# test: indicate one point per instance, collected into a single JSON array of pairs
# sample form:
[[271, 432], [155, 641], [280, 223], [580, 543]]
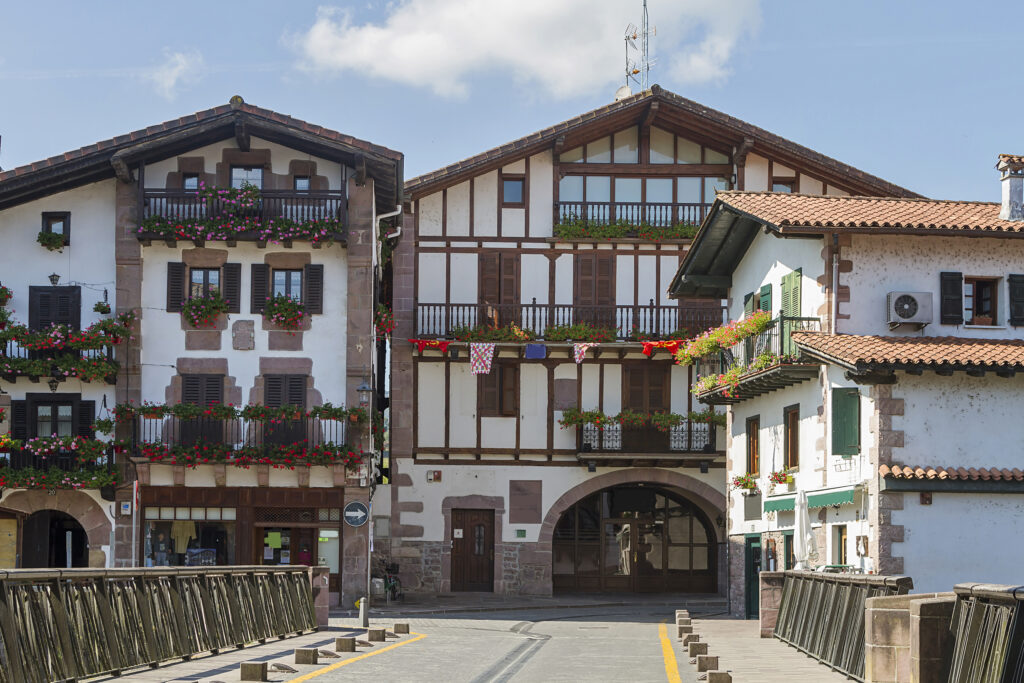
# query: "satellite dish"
[[623, 92]]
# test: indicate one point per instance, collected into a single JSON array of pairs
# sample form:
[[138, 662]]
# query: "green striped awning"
[[829, 498], [779, 503]]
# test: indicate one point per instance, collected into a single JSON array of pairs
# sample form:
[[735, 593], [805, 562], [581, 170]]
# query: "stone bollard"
[[401, 628], [344, 644], [253, 671], [682, 613], [684, 621], [697, 649], [690, 638], [719, 677], [375, 635], [707, 662], [306, 655], [683, 630]]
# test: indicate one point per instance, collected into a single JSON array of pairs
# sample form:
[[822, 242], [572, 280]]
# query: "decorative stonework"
[[203, 366], [884, 502], [243, 335]]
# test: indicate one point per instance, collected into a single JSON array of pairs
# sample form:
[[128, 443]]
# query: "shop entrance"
[[54, 539], [287, 545], [634, 538]]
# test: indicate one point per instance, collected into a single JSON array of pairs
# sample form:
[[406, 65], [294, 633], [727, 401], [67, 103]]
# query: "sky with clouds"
[[916, 92]]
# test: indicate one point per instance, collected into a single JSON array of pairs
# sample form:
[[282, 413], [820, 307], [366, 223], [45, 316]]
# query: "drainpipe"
[[835, 282], [376, 224]]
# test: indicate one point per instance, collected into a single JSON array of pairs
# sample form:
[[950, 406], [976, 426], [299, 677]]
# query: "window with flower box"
[[58, 223]]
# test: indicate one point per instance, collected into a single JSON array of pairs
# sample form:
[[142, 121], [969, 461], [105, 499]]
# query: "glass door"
[[618, 542]]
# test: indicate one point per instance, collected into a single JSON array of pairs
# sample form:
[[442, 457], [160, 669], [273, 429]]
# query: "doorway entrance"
[[53, 539], [473, 550], [286, 545], [752, 560], [635, 538]]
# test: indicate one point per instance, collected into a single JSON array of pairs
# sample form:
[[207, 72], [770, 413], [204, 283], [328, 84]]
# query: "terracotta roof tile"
[[1010, 159], [803, 213], [949, 473], [854, 350]]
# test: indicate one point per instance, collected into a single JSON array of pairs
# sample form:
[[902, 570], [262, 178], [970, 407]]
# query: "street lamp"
[[53, 384], [365, 391]]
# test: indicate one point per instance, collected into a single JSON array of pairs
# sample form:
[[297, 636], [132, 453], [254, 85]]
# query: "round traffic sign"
[[356, 513]]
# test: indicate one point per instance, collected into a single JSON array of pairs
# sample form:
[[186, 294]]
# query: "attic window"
[[513, 191], [190, 181], [58, 223], [301, 183]]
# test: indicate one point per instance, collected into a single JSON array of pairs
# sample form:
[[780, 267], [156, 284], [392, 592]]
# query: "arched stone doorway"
[[78, 505], [53, 539], [637, 530]]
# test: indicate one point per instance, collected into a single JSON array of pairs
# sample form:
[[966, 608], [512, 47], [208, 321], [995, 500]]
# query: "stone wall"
[[737, 577], [889, 634]]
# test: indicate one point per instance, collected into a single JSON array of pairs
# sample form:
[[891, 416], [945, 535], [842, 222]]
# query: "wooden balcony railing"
[[686, 437], [630, 322], [603, 213], [273, 204], [171, 431]]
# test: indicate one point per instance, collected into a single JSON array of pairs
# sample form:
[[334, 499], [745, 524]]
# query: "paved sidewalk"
[[753, 659], [454, 603]]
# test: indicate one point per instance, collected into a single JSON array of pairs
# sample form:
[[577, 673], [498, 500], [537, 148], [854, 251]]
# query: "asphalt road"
[[604, 644]]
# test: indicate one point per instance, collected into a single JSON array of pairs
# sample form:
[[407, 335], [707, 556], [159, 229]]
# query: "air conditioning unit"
[[909, 308]]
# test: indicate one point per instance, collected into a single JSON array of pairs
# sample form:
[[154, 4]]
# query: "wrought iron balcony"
[[66, 461], [652, 213], [14, 349], [686, 437], [769, 361], [170, 431], [629, 322]]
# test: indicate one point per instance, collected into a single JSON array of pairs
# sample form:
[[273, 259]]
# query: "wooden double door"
[[472, 558]]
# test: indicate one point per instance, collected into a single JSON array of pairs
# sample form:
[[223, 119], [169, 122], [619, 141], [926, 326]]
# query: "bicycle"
[[392, 584]]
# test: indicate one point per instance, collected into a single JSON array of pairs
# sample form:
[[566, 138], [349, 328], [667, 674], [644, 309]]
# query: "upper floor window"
[[667, 148], [845, 421], [190, 181], [301, 183], [513, 191], [54, 306], [657, 201], [753, 445], [791, 435], [981, 300], [46, 414], [783, 184], [288, 283], [58, 223], [621, 148], [246, 175], [55, 418], [203, 282], [645, 387]]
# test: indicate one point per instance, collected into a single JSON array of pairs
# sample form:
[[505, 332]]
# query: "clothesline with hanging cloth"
[[430, 344], [672, 346], [579, 351], [480, 357]]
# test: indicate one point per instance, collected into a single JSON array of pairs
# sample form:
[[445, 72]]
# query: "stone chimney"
[[1011, 169]]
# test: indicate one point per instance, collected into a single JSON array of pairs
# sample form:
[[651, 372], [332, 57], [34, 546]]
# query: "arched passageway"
[[54, 539]]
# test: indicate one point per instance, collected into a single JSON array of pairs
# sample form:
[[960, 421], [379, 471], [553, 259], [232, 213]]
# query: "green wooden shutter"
[[790, 307], [1016, 286], [748, 304], [765, 298], [845, 421]]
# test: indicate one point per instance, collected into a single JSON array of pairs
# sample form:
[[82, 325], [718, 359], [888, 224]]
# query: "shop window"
[[188, 536]]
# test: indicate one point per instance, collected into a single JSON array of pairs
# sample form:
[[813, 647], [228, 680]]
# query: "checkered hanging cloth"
[[579, 351], [480, 356]]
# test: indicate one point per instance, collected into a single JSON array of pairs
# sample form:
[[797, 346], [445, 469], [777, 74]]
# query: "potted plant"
[[781, 478], [284, 311], [53, 241], [202, 311], [5, 295], [101, 307], [746, 483]]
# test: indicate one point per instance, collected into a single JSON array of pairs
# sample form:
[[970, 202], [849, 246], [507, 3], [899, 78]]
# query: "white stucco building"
[[583, 223], [885, 385]]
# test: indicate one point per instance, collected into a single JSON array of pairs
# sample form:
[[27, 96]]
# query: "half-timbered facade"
[[544, 464], [243, 244]]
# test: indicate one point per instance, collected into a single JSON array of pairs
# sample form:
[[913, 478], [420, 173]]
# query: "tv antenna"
[[639, 71]]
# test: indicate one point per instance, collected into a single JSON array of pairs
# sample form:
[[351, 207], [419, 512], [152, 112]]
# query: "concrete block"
[[719, 677], [707, 662], [375, 635], [695, 649], [690, 638], [683, 630], [253, 671], [684, 621], [682, 613], [344, 644], [401, 628], [306, 655]]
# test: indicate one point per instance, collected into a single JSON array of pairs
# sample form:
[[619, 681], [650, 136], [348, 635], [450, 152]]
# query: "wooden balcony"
[[630, 322], [616, 445], [603, 213]]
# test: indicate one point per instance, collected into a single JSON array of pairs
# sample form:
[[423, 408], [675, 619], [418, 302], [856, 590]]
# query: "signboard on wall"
[[356, 513]]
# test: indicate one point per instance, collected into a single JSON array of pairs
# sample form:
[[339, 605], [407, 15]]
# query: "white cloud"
[[566, 47], [177, 69]]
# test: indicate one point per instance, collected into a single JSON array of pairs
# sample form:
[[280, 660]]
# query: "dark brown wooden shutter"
[[604, 280], [41, 308], [313, 288], [175, 287], [586, 274], [509, 389], [951, 295], [273, 391], [232, 281], [19, 420], [657, 389], [54, 305], [633, 385], [488, 392], [214, 389], [86, 416], [490, 279], [192, 389], [509, 284], [295, 390], [260, 287], [1016, 286]]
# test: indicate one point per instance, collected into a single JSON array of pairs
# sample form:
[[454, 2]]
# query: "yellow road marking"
[[338, 665], [671, 667]]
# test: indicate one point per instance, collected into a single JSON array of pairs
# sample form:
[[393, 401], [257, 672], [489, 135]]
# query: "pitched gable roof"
[[97, 161], [666, 108]]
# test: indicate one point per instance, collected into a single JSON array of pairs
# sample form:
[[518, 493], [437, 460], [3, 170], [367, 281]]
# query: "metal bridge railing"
[[58, 625], [988, 631], [823, 615]]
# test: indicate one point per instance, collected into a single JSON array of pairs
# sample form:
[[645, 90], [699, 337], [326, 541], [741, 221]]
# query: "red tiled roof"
[[816, 213], [174, 124], [951, 473], [1010, 159], [764, 142], [853, 350]]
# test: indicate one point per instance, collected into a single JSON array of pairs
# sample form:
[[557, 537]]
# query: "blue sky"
[[923, 94]]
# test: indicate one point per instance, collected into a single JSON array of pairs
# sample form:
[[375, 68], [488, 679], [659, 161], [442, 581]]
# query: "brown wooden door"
[[594, 294], [473, 550], [499, 289]]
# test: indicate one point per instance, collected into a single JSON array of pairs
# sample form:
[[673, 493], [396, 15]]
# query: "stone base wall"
[[520, 568], [737, 577]]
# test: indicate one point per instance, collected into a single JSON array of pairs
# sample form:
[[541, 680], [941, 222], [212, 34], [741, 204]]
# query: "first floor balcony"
[[168, 435], [635, 213], [614, 443], [635, 323]]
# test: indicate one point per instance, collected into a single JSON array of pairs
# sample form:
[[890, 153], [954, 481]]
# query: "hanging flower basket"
[[5, 295]]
